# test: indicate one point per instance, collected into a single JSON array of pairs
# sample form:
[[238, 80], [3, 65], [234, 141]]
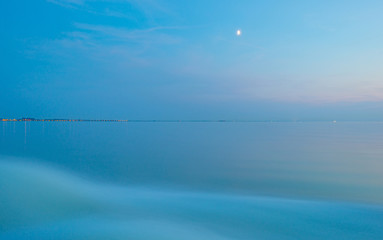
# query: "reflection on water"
[[41, 203], [191, 181]]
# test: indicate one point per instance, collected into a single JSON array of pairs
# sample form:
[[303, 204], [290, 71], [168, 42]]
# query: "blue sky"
[[148, 59]]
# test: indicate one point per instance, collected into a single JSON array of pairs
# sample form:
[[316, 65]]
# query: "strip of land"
[[113, 120], [144, 120]]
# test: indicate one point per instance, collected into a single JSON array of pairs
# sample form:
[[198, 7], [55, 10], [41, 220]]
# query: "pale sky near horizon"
[[171, 59]]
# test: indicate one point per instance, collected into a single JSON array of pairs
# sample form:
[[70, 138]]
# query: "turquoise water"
[[191, 181]]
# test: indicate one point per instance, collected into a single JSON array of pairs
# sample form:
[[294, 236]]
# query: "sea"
[[191, 180]]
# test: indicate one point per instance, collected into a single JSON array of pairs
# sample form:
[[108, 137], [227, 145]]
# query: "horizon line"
[[165, 120]]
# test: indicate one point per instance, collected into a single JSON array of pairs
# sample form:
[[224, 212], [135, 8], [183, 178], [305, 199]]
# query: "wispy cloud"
[[111, 44], [139, 40], [117, 8], [132, 38], [68, 3], [123, 33]]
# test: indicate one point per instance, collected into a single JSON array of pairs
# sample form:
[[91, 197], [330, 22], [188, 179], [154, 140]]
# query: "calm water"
[[191, 180]]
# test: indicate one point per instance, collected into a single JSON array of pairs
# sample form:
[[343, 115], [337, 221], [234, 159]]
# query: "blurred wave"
[[38, 202]]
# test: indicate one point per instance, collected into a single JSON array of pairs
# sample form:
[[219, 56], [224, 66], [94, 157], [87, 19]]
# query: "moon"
[[239, 32]]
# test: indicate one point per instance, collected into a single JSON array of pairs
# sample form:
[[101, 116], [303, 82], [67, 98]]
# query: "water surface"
[[191, 180]]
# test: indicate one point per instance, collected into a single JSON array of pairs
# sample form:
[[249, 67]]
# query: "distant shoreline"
[[149, 121]]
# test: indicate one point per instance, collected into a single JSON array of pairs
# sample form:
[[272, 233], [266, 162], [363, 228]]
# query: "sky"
[[171, 59]]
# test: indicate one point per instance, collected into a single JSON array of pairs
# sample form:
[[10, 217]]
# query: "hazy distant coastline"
[[144, 120]]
